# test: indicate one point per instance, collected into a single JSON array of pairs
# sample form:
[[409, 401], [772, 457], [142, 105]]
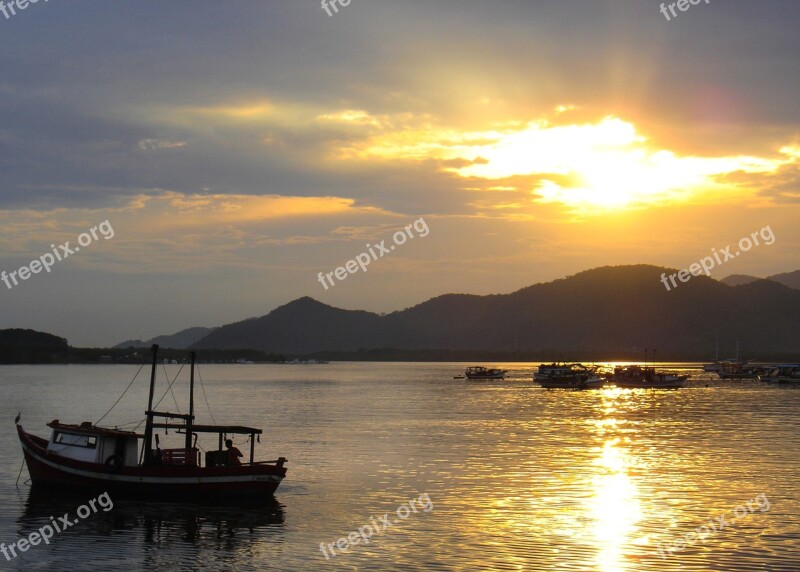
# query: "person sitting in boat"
[[233, 453]]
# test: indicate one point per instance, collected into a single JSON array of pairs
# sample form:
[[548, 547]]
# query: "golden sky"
[[238, 151]]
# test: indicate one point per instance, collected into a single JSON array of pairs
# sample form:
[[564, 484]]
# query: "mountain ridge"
[[789, 279], [606, 310], [179, 340]]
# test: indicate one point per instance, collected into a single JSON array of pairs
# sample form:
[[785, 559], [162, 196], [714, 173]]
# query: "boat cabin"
[[91, 444]]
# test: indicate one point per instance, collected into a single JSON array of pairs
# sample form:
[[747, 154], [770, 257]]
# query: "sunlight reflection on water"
[[520, 478]]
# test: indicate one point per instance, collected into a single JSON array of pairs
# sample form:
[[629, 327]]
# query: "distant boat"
[[88, 456], [568, 376], [636, 376], [480, 372], [734, 369], [782, 373]]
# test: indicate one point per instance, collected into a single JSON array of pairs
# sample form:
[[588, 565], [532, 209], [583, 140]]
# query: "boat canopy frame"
[[188, 426]]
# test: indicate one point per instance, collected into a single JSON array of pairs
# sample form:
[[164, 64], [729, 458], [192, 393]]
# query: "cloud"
[[174, 231]]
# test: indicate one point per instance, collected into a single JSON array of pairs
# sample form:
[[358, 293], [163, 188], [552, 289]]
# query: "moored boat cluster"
[[564, 375]]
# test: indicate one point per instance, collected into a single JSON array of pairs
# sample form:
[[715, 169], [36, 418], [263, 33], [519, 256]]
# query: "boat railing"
[[188, 457]]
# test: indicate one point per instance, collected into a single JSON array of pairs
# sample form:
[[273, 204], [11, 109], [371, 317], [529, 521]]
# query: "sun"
[[594, 167], [607, 179]]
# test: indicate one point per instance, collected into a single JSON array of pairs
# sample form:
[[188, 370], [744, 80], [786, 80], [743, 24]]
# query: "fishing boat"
[[79, 456], [636, 376], [732, 368], [480, 372], [782, 373], [568, 376]]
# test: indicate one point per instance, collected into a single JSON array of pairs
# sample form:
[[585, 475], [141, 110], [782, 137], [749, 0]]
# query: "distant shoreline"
[[137, 356]]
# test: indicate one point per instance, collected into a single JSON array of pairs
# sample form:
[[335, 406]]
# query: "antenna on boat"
[[190, 418], [148, 427], [645, 357]]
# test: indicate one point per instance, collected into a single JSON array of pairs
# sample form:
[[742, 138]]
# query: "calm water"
[[519, 478]]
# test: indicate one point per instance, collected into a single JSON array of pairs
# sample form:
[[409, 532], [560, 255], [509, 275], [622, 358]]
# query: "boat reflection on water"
[[209, 533]]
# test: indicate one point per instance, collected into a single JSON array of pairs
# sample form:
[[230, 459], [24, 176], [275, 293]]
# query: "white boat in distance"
[[568, 376], [546, 370], [480, 372]]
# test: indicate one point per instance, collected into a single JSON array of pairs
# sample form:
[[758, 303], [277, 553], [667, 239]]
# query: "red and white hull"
[[153, 481]]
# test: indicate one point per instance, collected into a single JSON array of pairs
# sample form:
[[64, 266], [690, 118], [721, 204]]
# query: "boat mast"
[[148, 427], [190, 419]]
